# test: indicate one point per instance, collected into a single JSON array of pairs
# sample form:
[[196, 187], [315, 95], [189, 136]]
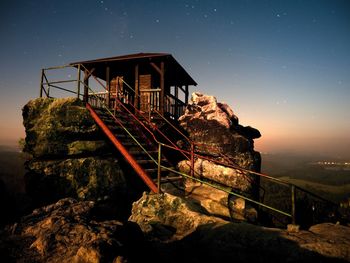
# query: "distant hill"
[[12, 168], [297, 169]]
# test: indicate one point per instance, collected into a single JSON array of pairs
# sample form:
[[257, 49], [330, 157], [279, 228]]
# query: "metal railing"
[[100, 99]]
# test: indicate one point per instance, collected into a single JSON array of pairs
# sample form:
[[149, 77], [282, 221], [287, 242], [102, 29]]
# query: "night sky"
[[283, 66]]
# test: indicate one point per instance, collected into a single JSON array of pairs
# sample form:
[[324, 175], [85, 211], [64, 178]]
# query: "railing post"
[[78, 84], [149, 113], [136, 90], [86, 86], [192, 159], [41, 83], [293, 204], [159, 166], [108, 86]]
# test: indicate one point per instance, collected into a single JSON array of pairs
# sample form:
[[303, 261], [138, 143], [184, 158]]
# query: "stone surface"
[[227, 176], [55, 127], [85, 178], [215, 129], [69, 155], [175, 229], [69, 231], [214, 201], [217, 134], [168, 217], [190, 235]]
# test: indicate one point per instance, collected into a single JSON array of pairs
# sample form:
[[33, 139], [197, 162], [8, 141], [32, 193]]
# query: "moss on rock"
[[82, 178], [52, 125], [70, 157]]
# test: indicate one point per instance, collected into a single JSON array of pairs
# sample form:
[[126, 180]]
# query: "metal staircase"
[[141, 152]]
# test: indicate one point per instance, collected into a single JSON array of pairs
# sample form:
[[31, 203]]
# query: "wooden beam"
[[136, 100], [89, 72], [162, 73], [41, 82], [186, 94], [184, 90], [159, 70], [78, 82], [176, 105], [108, 86], [86, 85]]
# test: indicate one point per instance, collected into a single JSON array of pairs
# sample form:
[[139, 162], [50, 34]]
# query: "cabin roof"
[[175, 72]]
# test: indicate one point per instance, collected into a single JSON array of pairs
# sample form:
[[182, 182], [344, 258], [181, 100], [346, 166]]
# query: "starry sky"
[[283, 66]]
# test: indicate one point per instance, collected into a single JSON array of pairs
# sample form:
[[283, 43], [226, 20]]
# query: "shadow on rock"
[[242, 243]]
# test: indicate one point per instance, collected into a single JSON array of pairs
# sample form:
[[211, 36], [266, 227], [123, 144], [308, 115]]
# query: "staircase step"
[[168, 179], [152, 170], [126, 136], [133, 143], [118, 129], [145, 161], [141, 153], [110, 120]]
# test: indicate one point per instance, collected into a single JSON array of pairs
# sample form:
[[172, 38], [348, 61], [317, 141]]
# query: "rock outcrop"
[[69, 231], [195, 236], [168, 217], [69, 156], [215, 130]]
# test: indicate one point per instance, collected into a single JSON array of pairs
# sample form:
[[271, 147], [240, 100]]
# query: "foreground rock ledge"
[[69, 231], [206, 238], [175, 230]]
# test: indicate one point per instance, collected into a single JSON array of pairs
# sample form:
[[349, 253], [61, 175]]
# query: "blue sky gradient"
[[283, 66]]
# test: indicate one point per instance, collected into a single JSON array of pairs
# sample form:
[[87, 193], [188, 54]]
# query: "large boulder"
[[69, 154], [214, 128], [217, 134], [168, 217], [69, 231], [56, 127]]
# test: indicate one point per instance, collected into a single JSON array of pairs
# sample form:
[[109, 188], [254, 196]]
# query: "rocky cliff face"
[[216, 131], [68, 154]]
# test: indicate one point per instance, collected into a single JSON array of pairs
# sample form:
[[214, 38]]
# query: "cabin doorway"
[[145, 92]]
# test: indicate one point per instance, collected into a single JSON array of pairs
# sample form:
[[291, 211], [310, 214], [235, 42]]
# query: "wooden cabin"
[[148, 81]]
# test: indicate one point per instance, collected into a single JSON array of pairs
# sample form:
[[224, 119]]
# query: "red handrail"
[[130, 159]]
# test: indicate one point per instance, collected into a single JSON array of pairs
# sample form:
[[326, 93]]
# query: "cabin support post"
[[186, 94], [108, 87], [86, 85], [136, 99], [293, 204], [161, 102], [176, 112], [41, 83], [78, 82]]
